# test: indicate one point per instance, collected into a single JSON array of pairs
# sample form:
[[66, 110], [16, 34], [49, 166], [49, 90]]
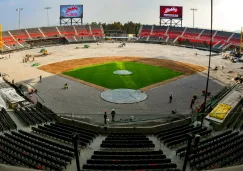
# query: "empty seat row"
[[159, 152], [6, 122], [129, 167]]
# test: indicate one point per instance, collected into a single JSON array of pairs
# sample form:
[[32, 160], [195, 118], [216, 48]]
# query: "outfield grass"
[[143, 75]]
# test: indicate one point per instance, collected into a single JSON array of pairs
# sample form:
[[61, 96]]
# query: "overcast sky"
[[227, 13]]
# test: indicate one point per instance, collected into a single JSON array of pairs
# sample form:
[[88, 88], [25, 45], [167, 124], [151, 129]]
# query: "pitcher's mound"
[[123, 96], [122, 72]]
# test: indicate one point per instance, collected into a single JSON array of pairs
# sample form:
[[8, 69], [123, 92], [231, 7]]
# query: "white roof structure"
[[10, 95]]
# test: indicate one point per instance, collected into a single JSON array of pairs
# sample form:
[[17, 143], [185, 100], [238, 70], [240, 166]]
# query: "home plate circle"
[[123, 96], [122, 72]]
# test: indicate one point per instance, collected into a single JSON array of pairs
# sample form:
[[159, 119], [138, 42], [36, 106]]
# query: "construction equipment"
[[86, 46], [45, 52]]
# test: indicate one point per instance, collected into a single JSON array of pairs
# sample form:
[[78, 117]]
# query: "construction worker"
[[170, 97], [105, 117], [65, 86], [113, 113], [195, 97], [192, 103]]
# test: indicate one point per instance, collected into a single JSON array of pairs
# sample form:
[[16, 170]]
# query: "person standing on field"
[[113, 113], [171, 97]]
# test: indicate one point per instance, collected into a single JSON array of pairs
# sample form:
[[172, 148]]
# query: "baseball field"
[[142, 75], [146, 72]]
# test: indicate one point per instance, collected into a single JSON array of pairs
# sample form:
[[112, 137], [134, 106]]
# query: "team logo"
[[169, 10], [71, 11]]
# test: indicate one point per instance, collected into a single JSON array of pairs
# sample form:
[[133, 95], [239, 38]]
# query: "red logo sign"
[[170, 12], [71, 11]]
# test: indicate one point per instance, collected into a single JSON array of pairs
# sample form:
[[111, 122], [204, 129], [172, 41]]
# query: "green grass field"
[[102, 75]]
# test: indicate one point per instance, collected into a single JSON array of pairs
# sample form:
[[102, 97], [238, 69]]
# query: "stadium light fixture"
[[19, 10], [193, 10], [47, 10], [209, 66]]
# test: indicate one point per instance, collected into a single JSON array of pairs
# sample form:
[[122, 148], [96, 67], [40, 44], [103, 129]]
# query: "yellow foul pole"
[[1, 38]]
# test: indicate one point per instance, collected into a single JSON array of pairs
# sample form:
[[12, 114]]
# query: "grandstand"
[[38, 128]]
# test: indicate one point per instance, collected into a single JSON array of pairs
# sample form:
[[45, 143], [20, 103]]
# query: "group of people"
[[65, 87], [26, 59], [113, 113], [6, 57], [192, 101]]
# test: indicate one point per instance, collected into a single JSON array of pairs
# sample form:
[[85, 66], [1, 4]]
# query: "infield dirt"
[[60, 67]]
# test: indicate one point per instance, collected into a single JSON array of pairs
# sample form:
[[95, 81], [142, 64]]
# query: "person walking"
[[195, 97], [113, 113], [40, 78], [170, 97], [105, 117], [192, 103]]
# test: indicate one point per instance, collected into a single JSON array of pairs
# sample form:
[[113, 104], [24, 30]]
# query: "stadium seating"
[[66, 30], [50, 31], [174, 32], [222, 36], [145, 31], [33, 115], [128, 160], [96, 30], [218, 151], [159, 31], [206, 34], [177, 136], [26, 149], [8, 40], [65, 133], [19, 34], [34, 33], [192, 32], [127, 140], [235, 40], [83, 30], [6, 123]]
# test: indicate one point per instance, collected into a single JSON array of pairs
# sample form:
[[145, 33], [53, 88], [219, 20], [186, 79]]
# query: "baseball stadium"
[[138, 97]]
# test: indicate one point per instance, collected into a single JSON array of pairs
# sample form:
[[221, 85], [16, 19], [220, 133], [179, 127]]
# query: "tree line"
[[129, 27]]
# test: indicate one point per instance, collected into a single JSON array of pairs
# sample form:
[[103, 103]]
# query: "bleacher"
[[96, 30], [64, 133], [50, 31], [6, 123], [33, 115], [218, 151], [8, 39], [28, 150], [83, 30], [128, 159], [174, 32], [146, 29], [19, 34], [66, 30], [206, 34], [192, 32], [235, 40], [34, 33], [177, 135], [159, 31], [222, 36]]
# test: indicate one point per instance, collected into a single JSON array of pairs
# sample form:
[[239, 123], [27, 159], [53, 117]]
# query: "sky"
[[227, 13]]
